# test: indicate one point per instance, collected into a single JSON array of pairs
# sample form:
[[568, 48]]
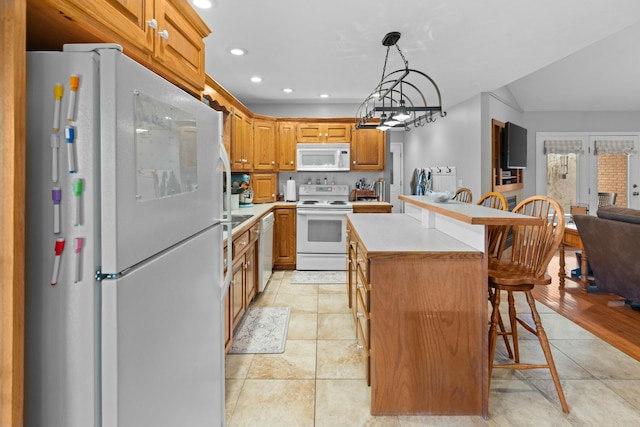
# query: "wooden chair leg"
[[493, 331], [502, 330], [514, 327], [546, 349]]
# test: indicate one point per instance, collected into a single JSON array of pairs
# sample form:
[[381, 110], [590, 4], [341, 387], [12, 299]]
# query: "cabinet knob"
[[354, 162], [164, 34], [359, 347], [152, 23], [359, 315], [291, 162], [273, 162], [360, 287]]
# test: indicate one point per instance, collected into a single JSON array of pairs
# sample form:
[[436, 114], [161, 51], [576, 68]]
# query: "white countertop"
[[470, 213], [256, 211], [386, 233]]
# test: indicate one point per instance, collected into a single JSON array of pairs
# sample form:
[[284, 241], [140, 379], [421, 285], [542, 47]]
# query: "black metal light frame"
[[398, 91]]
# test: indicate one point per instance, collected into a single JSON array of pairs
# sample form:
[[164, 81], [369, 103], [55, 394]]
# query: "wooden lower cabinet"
[[421, 326], [236, 290], [284, 238], [244, 280], [372, 207]]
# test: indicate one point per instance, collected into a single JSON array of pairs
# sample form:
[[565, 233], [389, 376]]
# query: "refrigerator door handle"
[[226, 220]]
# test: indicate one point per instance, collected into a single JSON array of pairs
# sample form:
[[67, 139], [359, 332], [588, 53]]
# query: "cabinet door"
[[237, 131], [284, 242], [264, 145], [337, 132], [247, 144], [126, 18], [368, 150], [286, 146], [236, 291], [264, 187], [309, 132], [250, 274], [178, 41]]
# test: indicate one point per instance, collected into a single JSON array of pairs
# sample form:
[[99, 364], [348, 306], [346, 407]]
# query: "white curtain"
[[563, 146], [614, 147]]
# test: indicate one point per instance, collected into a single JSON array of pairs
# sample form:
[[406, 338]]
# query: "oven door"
[[321, 231]]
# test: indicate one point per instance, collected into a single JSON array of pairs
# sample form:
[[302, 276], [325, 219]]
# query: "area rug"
[[316, 277], [261, 330]]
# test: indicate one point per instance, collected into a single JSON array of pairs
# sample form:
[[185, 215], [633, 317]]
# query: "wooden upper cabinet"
[[264, 145], [264, 187], [323, 132], [286, 146], [241, 142], [368, 150], [178, 40], [165, 36]]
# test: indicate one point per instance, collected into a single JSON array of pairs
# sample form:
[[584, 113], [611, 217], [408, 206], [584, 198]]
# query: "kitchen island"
[[417, 288]]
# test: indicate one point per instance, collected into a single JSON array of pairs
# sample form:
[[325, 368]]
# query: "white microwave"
[[323, 157]]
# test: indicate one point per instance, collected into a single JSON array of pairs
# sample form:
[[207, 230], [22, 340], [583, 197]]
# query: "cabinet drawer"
[[366, 356], [363, 291], [254, 232], [240, 244], [362, 317], [363, 269]]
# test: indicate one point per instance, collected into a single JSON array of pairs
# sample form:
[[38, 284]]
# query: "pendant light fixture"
[[399, 99]]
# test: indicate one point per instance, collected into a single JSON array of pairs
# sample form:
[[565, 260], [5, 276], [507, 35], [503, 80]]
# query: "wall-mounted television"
[[514, 147]]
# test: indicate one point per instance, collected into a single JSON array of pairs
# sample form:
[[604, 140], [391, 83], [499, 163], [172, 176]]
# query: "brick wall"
[[612, 176]]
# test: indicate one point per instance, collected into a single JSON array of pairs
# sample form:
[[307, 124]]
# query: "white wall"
[[305, 110], [453, 140]]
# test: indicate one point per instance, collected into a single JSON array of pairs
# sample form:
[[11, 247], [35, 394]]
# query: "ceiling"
[[558, 55]]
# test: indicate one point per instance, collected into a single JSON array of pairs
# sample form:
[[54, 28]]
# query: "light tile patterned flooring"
[[319, 379]]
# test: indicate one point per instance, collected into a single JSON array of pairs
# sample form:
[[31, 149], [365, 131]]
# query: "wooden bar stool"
[[495, 246], [532, 249], [463, 194]]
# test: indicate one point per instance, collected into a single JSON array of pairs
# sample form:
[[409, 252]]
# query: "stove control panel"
[[324, 190]]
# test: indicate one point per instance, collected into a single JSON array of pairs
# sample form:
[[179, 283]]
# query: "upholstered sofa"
[[612, 244]]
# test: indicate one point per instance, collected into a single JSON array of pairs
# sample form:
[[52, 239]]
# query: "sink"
[[239, 219]]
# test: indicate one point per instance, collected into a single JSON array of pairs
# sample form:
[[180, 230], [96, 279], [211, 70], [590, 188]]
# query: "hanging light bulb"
[[402, 114], [383, 123]]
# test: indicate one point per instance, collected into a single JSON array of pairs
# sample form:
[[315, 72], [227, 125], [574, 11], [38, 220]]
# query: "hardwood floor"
[[597, 312]]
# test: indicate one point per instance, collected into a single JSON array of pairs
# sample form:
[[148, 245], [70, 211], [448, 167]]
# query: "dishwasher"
[[265, 250]]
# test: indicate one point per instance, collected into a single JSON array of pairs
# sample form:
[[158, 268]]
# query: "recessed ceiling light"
[[202, 4], [256, 79], [324, 95], [287, 90], [237, 51]]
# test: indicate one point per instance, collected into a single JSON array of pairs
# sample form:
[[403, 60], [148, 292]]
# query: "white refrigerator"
[[124, 270]]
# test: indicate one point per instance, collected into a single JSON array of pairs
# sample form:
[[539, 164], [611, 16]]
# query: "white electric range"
[[321, 227]]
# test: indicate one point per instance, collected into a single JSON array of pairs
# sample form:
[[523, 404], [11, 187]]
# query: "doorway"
[[581, 168]]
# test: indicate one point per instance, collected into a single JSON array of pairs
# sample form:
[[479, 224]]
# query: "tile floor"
[[319, 379]]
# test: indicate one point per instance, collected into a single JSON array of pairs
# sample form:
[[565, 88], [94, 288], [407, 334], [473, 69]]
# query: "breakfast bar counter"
[[417, 287]]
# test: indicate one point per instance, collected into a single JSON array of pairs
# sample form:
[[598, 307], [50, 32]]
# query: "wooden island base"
[[420, 310]]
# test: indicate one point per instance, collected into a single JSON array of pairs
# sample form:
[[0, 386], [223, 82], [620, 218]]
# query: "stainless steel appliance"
[[321, 227], [124, 325], [323, 157], [265, 250]]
